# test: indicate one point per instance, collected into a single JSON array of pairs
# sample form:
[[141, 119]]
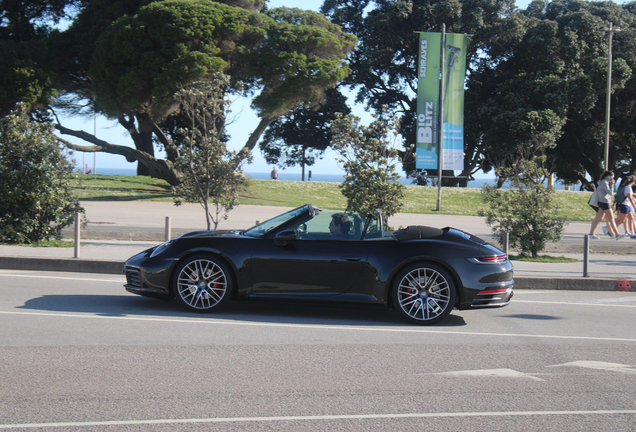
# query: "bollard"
[[78, 221], [505, 242], [168, 228], [586, 255]]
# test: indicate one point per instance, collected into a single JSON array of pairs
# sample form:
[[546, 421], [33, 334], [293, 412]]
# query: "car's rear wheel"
[[423, 293], [202, 283]]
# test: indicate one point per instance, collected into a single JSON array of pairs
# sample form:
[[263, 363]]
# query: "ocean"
[[334, 178]]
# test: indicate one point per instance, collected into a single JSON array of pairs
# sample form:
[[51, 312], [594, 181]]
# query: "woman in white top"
[[605, 207], [626, 208]]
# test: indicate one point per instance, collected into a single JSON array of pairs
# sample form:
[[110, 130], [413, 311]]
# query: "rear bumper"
[[496, 295], [490, 298]]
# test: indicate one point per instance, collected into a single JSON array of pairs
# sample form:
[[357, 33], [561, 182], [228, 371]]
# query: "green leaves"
[[36, 201], [303, 56], [369, 157], [207, 167], [142, 60], [529, 213], [302, 135]]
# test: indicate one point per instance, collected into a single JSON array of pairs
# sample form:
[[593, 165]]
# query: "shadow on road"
[[248, 311], [533, 317]]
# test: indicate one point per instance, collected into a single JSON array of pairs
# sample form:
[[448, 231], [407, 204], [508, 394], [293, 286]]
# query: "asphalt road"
[[78, 353]]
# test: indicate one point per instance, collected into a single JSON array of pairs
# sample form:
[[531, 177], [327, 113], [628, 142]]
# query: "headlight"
[[162, 247]]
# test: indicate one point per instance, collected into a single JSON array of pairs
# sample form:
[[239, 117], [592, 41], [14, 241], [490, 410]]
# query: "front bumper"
[[147, 276]]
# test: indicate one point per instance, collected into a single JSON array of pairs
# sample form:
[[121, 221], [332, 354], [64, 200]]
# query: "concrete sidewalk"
[[117, 230]]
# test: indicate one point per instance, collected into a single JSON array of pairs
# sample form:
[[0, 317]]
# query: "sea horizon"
[[479, 182]]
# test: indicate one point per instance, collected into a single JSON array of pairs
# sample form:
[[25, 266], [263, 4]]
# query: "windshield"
[[261, 229]]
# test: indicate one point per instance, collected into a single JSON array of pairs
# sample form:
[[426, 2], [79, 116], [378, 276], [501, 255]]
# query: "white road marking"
[[605, 305], [502, 373], [610, 367], [346, 328], [319, 418], [120, 279], [619, 300]]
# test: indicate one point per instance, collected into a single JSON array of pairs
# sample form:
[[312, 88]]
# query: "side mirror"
[[284, 237]]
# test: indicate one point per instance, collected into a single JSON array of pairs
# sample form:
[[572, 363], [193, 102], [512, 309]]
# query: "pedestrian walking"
[[604, 207], [274, 174], [626, 204]]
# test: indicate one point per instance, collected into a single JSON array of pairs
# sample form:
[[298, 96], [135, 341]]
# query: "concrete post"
[[586, 255], [168, 228], [78, 222], [505, 242]]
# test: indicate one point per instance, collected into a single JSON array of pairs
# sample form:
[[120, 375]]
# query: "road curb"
[[78, 265], [561, 284], [75, 265]]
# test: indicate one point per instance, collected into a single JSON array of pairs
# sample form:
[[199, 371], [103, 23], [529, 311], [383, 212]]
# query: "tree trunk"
[[253, 139], [141, 136], [303, 163]]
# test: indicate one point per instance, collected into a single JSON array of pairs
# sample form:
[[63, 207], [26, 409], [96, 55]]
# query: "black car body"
[[422, 272]]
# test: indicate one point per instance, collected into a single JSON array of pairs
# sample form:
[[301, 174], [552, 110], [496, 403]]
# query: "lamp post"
[[440, 157], [611, 31]]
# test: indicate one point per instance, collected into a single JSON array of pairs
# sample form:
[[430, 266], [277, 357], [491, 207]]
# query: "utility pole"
[[440, 155], [611, 31], [95, 135]]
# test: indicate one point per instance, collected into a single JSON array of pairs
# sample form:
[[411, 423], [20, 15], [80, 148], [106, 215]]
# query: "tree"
[[541, 69], [554, 80], [207, 166], [580, 151], [27, 63], [302, 135], [36, 199], [384, 65], [368, 155], [528, 213], [128, 59]]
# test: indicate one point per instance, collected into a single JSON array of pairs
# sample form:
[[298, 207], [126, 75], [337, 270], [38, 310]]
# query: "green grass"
[[455, 201], [120, 188], [542, 259], [52, 243]]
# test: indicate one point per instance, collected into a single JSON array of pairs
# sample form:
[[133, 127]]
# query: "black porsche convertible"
[[310, 254]]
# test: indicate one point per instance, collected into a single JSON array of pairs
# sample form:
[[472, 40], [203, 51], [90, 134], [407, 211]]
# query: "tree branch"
[[253, 139], [158, 168]]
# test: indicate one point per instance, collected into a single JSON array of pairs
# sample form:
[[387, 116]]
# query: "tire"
[[423, 293], [202, 283]]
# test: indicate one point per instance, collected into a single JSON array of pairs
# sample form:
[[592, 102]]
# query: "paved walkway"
[[118, 230]]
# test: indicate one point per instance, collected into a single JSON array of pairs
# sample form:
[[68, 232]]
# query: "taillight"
[[495, 291], [492, 259]]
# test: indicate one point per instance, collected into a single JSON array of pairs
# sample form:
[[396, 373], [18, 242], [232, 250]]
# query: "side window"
[[318, 225], [331, 225]]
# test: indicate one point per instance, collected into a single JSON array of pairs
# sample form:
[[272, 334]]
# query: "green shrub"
[[36, 200], [529, 213]]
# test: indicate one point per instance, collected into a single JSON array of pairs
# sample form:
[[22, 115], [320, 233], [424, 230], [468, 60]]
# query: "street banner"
[[430, 97]]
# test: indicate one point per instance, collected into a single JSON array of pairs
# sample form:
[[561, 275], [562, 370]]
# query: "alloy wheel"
[[424, 294], [202, 284]]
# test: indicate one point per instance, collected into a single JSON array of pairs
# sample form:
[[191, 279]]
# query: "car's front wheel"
[[202, 283], [423, 293]]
